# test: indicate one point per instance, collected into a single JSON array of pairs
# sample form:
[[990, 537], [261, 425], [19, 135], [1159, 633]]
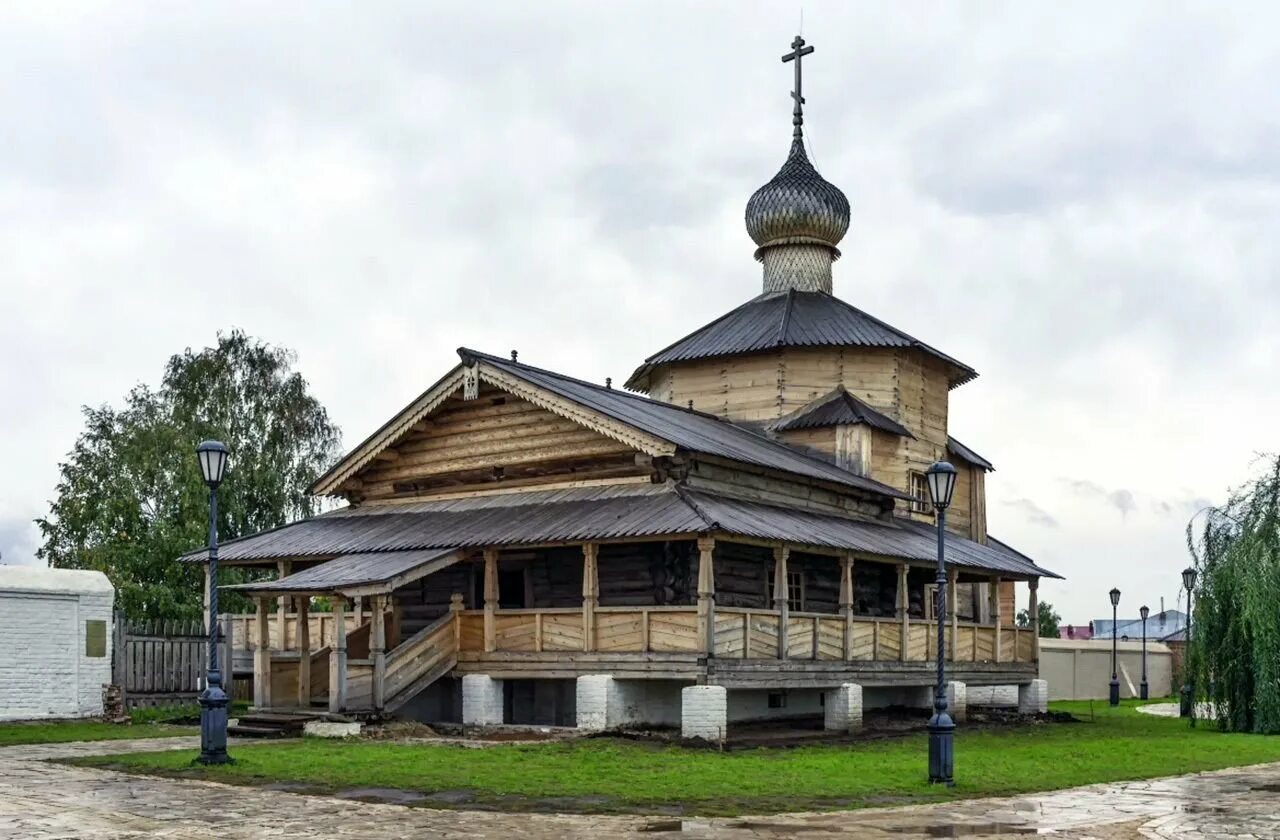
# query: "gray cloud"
[[1033, 513]]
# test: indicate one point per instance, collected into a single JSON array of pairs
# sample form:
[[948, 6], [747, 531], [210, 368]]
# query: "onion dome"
[[797, 207]]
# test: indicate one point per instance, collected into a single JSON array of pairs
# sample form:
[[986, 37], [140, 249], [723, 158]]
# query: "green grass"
[[616, 775], [59, 732]]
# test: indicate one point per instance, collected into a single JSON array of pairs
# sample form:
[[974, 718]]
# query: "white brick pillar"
[[1033, 698], [481, 700], [957, 701], [593, 695], [843, 708], [704, 712]]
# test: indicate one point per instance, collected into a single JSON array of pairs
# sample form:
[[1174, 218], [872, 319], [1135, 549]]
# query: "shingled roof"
[[839, 408], [790, 319], [964, 453]]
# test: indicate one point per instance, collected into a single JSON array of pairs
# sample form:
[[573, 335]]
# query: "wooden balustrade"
[[740, 633], [320, 626]]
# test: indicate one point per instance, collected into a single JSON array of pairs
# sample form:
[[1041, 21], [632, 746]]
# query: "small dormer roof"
[[839, 408]]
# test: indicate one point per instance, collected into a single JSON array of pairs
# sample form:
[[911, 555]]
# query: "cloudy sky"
[[1081, 202]]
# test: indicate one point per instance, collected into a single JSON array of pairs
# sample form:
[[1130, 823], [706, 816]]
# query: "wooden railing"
[[742, 633], [320, 626], [432, 650]]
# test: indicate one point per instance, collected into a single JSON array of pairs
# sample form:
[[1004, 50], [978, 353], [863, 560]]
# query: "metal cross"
[[798, 51]]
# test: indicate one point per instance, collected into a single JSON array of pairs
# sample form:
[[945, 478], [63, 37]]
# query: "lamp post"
[[1188, 705], [212, 456], [1144, 612], [1115, 679], [942, 483]]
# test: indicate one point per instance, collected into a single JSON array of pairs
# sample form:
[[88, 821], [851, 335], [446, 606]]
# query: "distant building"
[[1169, 625], [1076, 631]]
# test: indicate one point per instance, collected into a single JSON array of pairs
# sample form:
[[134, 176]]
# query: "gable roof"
[[654, 427], [838, 408], [380, 570], [964, 453], [790, 319]]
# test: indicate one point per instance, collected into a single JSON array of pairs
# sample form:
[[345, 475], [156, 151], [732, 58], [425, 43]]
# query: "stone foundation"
[[481, 700], [843, 710], [704, 712], [1033, 698], [957, 701]]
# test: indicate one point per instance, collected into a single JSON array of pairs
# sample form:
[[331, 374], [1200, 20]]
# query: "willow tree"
[[1235, 649]]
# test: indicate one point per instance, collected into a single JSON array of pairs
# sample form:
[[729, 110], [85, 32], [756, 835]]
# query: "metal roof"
[[599, 513], [790, 319], [357, 570], [839, 408], [691, 430], [964, 453]]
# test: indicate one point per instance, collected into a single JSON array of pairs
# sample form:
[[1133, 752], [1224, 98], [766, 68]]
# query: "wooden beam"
[[224, 657], [262, 657], [995, 614], [204, 610], [904, 610], [706, 596], [953, 577], [283, 568], [846, 602], [490, 598], [304, 651], [590, 594], [338, 658], [1034, 607], [780, 602], [378, 650]]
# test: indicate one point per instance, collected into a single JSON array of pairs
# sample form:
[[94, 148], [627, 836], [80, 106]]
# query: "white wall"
[[1081, 670], [44, 672], [753, 704]]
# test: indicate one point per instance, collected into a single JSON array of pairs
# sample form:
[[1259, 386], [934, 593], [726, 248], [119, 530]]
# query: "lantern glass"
[[212, 456], [1144, 612], [1115, 597], [941, 479], [1189, 578]]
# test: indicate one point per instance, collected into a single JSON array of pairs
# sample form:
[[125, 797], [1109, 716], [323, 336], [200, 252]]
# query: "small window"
[[795, 591], [95, 638], [777, 699], [920, 493]]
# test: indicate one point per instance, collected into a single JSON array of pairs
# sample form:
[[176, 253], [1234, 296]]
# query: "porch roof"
[[603, 513], [374, 572]]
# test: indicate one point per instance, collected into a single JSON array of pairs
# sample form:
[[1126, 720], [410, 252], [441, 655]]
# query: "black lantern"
[[1142, 689], [1114, 694], [212, 456], [1187, 707], [942, 483]]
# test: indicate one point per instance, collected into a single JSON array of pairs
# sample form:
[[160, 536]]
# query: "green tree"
[[130, 498], [1048, 620]]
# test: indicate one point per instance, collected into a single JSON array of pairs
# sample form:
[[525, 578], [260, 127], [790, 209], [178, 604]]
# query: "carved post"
[[995, 615], [455, 609], [262, 657], [780, 602], [1034, 607], [378, 650], [904, 608], [953, 581], [204, 610], [282, 609], [357, 609], [846, 601], [590, 594], [228, 651], [338, 657], [706, 596], [304, 652], [490, 599]]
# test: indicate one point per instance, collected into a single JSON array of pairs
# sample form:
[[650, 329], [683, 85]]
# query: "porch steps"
[[271, 725]]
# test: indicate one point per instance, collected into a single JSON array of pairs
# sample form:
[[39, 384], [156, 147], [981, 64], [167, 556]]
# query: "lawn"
[[58, 732], [619, 776]]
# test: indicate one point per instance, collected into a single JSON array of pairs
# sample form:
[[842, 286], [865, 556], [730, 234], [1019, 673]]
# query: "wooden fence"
[[162, 663]]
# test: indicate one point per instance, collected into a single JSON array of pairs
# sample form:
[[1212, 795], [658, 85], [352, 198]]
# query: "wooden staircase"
[[272, 724]]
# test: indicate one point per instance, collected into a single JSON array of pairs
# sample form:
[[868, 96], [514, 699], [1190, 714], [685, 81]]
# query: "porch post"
[[904, 606], [490, 598], [357, 609], [995, 615], [780, 602], [378, 650], [706, 596], [953, 581], [262, 657], [338, 657], [304, 651], [1034, 612], [590, 594], [282, 609], [846, 601], [204, 610]]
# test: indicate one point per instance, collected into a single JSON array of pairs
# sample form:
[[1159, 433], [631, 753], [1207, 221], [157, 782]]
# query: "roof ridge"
[[897, 331], [787, 309]]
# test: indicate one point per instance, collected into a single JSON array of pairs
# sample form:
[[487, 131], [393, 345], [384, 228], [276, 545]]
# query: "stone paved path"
[[40, 800]]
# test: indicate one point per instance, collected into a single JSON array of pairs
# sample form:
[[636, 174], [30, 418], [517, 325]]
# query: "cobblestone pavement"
[[41, 800]]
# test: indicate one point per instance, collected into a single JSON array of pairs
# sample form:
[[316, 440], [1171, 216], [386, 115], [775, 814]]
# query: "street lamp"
[[1115, 679], [941, 478], [1144, 612], [212, 456], [1188, 706]]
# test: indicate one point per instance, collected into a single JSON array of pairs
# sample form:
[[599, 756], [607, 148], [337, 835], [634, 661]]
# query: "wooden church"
[[742, 532]]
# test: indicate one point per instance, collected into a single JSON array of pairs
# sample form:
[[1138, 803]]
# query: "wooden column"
[[590, 594], [995, 616], [378, 649], [904, 610], [1033, 606], [846, 602], [357, 609], [304, 652], [225, 661], [204, 610], [780, 556], [455, 608], [262, 657], [338, 657], [953, 581], [490, 598], [706, 596], [282, 609]]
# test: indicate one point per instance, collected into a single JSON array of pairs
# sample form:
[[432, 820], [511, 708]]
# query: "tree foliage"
[[130, 498], [1234, 656], [1048, 620]]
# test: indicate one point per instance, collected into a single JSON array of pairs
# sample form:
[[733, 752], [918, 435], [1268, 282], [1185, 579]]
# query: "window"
[[795, 591], [95, 638], [920, 490], [777, 699]]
